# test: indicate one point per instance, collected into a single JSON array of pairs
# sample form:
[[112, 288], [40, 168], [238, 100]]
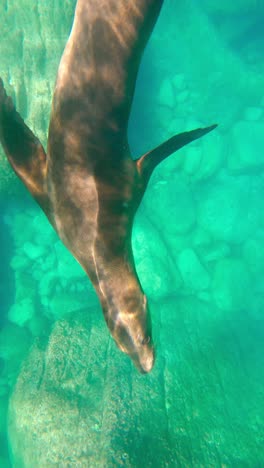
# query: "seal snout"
[[144, 360]]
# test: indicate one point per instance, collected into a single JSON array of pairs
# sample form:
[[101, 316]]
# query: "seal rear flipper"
[[23, 149], [147, 163]]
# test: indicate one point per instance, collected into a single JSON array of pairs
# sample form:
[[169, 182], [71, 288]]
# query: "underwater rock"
[[45, 234], [21, 312], [9, 183], [79, 402], [24, 36], [246, 150], [3, 411], [25, 286], [208, 249], [14, 344], [33, 251], [231, 285], [47, 283], [4, 463], [53, 413], [182, 97], [24, 231], [4, 391], [166, 95], [156, 283], [19, 262], [157, 274], [38, 325], [225, 6], [214, 252], [62, 304], [180, 215], [194, 275], [229, 209], [212, 157], [203, 161], [47, 263], [192, 160], [253, 253], [68, 267], [200, 237], [253, 113], [178, 81]]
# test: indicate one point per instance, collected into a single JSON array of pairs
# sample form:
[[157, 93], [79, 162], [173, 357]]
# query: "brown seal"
[[87, 183]]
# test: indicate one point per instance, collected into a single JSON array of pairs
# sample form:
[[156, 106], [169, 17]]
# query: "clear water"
[[74, 399]]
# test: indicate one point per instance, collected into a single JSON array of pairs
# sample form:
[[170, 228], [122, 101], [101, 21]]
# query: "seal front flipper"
[[23, 149], [147, 163]]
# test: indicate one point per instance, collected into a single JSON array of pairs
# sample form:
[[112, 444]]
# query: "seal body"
[[87, 183], [93, 182]]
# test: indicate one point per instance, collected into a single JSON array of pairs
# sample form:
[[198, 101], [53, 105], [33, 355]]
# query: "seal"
[[87, 183]]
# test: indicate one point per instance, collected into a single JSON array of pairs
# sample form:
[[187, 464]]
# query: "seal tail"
[[23, 149], [147, 163]]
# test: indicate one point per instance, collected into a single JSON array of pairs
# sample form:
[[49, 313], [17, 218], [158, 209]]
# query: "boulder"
[[253, 113], [169, 205], [21, 312], [194, 275], [166, 95], [227, 7], [231, 286], [230, 208], [72, 404], [158, 275], [246, 149]]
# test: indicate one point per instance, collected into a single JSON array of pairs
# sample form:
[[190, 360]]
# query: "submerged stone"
[[227, 7], [230, 209], [212, 156], [68, 267], [33, 251], [193, 273], [171, 205], [192, 160], [63, 304], [254, 254], [253, 113], [178, 80], [166, 94], [14, 341], [157, 274], [21, 312], [47, 283], [19, 262], [231, 285], [56, 425], [246, 150]]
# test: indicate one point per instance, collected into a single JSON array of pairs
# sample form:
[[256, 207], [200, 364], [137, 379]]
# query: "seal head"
[[130, 327]]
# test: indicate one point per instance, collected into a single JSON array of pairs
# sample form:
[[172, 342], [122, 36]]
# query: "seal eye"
[[146, 340]]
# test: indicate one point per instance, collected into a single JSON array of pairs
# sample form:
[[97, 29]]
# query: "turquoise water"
[[73, 398]]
